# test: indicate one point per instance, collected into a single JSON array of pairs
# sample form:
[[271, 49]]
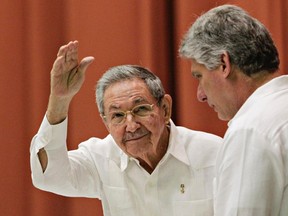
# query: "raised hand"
[[67, 77]]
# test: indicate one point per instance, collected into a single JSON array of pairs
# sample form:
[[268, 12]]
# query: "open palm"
[[67, 76]]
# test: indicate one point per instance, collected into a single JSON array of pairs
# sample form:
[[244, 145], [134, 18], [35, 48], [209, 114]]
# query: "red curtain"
[[114, 32]]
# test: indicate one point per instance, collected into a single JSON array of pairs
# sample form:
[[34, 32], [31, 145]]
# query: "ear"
[[226, 64], [166, 105]]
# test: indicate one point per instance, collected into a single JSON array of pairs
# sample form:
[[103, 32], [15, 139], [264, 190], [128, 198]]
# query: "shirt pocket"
[[119, 200], [194, 208]]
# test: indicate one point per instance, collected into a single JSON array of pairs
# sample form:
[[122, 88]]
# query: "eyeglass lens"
[[140, 110]]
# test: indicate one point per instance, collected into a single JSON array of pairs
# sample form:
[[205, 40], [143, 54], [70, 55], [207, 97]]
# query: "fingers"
[[69, 51], [57, 68], [67, 59], [72, 52], [85, 63]]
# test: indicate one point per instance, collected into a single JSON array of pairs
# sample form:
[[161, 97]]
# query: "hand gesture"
[[67, 77]]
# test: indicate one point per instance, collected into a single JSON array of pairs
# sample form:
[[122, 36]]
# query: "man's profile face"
[[212, 88], [136, 135]]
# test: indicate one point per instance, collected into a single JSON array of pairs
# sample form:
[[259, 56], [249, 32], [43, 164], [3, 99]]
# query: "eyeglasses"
[[117, 118]]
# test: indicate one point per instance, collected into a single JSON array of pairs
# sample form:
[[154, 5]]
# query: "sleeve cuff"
[[50, 136]]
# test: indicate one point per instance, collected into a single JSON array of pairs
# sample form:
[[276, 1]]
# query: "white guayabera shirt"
[[181, 184], [252, 165]]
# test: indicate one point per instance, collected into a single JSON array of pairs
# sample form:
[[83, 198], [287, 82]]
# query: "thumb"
[[85, 62]]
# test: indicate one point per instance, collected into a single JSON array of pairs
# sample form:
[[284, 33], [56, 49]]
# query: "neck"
[[241, 86], [149, 161], [258, 80]]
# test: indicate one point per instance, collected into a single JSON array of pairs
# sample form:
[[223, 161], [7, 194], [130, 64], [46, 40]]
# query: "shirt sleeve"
[[249, 175], [66, 174]]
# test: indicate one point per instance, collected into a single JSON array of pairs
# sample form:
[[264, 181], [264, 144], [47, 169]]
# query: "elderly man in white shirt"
[[145, 166], [237, 65]]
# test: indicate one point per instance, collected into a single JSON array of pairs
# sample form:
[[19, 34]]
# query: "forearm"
[[57, 110], [68, 174], [49, 143], [48, 137], [56, 177]]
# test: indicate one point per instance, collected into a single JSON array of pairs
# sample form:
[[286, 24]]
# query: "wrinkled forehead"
[[126, 84], [126, 93]]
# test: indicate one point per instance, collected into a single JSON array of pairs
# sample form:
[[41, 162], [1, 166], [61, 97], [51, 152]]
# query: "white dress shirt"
[[252, 165], [181, 184]]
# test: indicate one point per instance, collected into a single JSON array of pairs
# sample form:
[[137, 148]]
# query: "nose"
[[131, 124], [201, 96]]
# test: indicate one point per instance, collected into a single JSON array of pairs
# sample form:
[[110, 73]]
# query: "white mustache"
[[136, 135]]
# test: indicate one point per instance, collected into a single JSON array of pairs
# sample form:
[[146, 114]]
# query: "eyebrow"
[[194, 71], [135, 102]]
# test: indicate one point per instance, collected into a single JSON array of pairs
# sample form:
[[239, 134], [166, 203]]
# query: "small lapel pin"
[[182, 188]]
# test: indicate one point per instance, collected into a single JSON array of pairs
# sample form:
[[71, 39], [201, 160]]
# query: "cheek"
[[154, 120], [117, 135], [155, 124], [206, 84], [211, 87]]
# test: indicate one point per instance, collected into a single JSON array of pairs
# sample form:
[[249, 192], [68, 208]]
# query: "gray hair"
[[229, 28], [127, 72]]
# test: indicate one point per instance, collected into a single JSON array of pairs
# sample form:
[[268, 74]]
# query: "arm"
[[67, 77]]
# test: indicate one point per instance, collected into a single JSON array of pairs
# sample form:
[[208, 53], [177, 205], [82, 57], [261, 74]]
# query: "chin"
[[223, 118]]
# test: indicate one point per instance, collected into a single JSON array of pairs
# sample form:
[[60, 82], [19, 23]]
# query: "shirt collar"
[[276, 84], [175, 147], [124, 161]]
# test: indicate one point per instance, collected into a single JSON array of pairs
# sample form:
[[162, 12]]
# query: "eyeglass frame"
[[127, 112]]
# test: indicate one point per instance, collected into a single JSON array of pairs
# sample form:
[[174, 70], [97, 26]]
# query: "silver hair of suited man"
[[128, 72], [229, 28]]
